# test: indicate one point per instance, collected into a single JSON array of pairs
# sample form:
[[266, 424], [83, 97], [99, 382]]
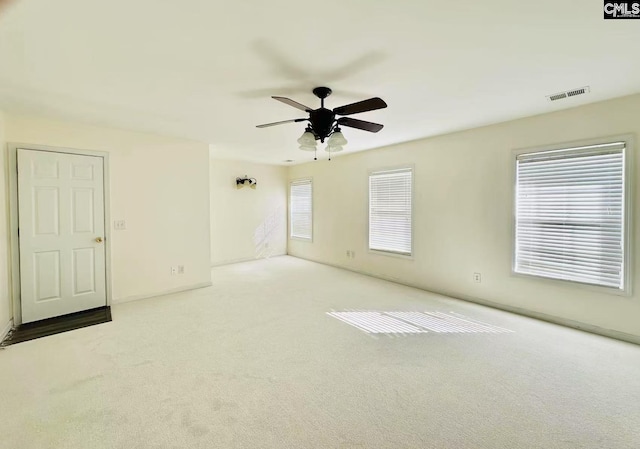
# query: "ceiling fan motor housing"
[[322, 122]]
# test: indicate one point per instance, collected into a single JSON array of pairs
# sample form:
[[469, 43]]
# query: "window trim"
[[289, 227], [629, 198], [399, 255]]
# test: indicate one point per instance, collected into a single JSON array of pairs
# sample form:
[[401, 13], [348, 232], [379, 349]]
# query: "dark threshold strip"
[[57, 325]]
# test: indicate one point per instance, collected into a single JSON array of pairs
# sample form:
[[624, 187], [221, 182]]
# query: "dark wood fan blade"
[[362, 106], [360, 124], [295, 104], [266, 125]]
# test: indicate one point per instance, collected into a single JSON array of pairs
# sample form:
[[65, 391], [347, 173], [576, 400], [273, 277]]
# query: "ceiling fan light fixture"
[[323, 123]]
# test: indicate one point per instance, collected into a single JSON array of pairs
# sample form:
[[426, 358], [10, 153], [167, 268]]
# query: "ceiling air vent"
[[569, 93]]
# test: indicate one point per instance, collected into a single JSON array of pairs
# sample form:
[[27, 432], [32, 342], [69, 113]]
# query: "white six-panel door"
[[61, 223]]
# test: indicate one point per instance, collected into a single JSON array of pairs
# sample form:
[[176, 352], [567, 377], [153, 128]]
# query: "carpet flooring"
[[255, 361]]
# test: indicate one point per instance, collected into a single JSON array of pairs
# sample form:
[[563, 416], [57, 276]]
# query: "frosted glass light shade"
[[308, 147], [334, 149], [337, 140], [307, 139]]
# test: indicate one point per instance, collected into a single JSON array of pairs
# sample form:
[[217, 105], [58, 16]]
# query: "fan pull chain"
[[315, 154]]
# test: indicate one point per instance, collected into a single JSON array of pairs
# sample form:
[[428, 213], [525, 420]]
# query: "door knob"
[[99, 239]]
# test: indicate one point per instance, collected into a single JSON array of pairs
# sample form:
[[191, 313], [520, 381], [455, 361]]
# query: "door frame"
[[14, 211]]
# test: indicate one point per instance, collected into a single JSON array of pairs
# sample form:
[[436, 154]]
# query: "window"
[[390, 211], [300, 209], [570, 215]]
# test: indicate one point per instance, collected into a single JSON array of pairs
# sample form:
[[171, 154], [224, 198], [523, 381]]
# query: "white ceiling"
[[205, 70]]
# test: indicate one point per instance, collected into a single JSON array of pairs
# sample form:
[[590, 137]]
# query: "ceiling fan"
[[323, 122]]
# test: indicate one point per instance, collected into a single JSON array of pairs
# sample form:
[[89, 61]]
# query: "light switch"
[[119, 225]]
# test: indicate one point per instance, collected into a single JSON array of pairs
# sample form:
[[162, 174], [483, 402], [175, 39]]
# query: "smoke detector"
[[569, 93]]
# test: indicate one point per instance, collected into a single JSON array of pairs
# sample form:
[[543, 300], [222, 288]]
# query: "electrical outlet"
[[477, 277], [353, 254], [180, 269], [174, 270], [119, 225], [348, 253]]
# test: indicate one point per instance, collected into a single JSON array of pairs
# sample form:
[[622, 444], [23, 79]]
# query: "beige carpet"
[[255, 362]]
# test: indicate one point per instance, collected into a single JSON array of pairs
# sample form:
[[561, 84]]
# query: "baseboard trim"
[[248, 259], [162, 293], [6, 330], [593, 329]]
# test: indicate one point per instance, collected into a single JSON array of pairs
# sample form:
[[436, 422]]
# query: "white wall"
[[463, 214], [245, 223], [5, 299], [159, 185]]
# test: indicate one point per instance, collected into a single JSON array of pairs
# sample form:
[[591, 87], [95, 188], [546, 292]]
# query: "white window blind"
[[301, 217], [390, 211], [570, 214]]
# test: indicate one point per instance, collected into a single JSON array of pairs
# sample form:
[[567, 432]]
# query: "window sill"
[[391, 254], [301, 239], [575, 284]]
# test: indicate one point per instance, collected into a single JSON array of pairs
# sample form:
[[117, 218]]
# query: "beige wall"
[[5, 300], [245, 223], [463, 214], [159, 185]]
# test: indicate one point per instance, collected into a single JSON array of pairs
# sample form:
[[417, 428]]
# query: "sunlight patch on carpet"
[[377, 322]]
